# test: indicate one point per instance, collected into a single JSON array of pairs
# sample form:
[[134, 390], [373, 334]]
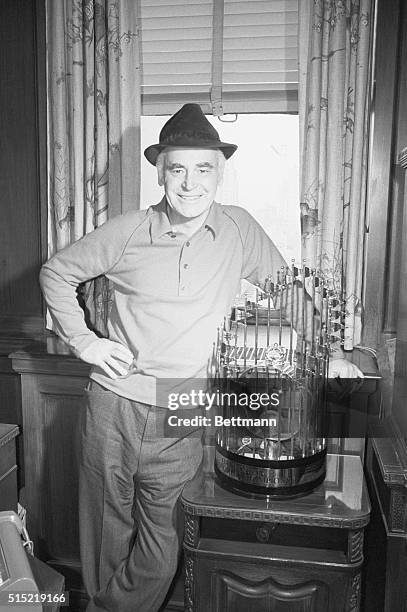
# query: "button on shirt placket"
[[183, 269]]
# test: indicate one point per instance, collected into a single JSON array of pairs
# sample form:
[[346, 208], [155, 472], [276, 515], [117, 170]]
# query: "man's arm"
[[261, 258], [93, 255]]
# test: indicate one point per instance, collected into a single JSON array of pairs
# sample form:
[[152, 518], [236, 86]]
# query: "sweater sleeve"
[[93, 255], [262, 258]]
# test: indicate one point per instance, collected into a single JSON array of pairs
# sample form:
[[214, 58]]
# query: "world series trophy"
[[272, 367]]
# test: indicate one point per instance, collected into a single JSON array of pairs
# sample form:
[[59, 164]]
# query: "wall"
[[22, 123], [22, 189], [386, 200]]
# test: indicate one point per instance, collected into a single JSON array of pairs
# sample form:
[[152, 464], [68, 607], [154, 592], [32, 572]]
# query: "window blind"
[[259, 59]]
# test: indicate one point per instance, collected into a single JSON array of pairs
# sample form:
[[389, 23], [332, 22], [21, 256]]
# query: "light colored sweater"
[[170, 293]]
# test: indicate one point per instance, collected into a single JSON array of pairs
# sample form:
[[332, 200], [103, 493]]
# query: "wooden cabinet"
[[386, 542], [52, 389], [305, 554], [8, 467]]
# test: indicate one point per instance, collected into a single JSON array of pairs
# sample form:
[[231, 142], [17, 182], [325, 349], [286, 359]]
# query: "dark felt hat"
[[188, 128]]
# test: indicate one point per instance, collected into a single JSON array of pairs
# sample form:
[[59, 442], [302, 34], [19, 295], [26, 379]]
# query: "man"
[[176, 269]]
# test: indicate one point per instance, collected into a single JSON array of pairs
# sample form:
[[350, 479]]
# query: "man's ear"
[[160, 165], [221, 167]]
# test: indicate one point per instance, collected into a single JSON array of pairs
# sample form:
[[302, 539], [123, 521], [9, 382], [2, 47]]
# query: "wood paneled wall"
[[23, 172], [22, 192], [385, 295], [379, 211]]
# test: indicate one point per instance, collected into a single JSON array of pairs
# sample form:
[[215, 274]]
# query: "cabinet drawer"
[[280, 534]]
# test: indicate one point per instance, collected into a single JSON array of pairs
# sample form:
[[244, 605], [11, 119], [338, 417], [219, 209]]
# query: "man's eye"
[[177, 170], [204, 170]]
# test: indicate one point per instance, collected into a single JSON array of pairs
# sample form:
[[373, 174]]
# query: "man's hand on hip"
[[114, 358]]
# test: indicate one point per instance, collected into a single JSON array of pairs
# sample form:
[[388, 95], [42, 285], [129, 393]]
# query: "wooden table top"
[[340, 501]]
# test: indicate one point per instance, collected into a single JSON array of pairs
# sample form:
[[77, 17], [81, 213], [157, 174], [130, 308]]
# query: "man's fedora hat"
[[188, 128]]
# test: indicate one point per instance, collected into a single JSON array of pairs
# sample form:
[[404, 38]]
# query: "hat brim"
[[153, 151]]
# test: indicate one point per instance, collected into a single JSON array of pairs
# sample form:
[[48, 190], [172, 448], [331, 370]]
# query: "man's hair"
[[160, 165]]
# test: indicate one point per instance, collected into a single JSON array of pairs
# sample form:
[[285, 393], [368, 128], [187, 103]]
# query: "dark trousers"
[[130, 480]]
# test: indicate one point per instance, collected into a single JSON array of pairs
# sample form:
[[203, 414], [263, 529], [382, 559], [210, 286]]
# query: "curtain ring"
[[221, 118]]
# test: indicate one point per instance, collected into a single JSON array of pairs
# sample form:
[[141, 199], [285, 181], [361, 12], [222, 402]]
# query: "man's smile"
[[190, 197]]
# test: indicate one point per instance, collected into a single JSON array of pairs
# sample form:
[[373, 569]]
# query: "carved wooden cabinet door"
[[240, 595], [220, 582]]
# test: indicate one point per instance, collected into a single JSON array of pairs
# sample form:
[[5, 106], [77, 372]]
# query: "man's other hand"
[[114, 358], [344, 369]]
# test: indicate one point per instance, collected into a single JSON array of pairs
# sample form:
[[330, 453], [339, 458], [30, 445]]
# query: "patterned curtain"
[[334, 49], [93, 124]]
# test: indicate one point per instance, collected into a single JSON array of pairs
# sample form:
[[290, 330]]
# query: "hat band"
[[190, 136]]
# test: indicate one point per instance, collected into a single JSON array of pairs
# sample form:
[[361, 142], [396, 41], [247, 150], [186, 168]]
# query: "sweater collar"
[[160, 223]]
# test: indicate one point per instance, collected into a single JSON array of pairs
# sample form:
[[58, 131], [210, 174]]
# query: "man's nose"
[[189, 181]]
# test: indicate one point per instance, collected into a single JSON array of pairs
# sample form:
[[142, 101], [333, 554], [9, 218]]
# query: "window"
[[243, 51]]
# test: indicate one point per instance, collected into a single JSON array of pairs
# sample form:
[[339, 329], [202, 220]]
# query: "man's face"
[[190, 178]]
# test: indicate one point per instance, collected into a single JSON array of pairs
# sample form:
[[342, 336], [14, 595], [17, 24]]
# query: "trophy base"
[[280, 479]]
